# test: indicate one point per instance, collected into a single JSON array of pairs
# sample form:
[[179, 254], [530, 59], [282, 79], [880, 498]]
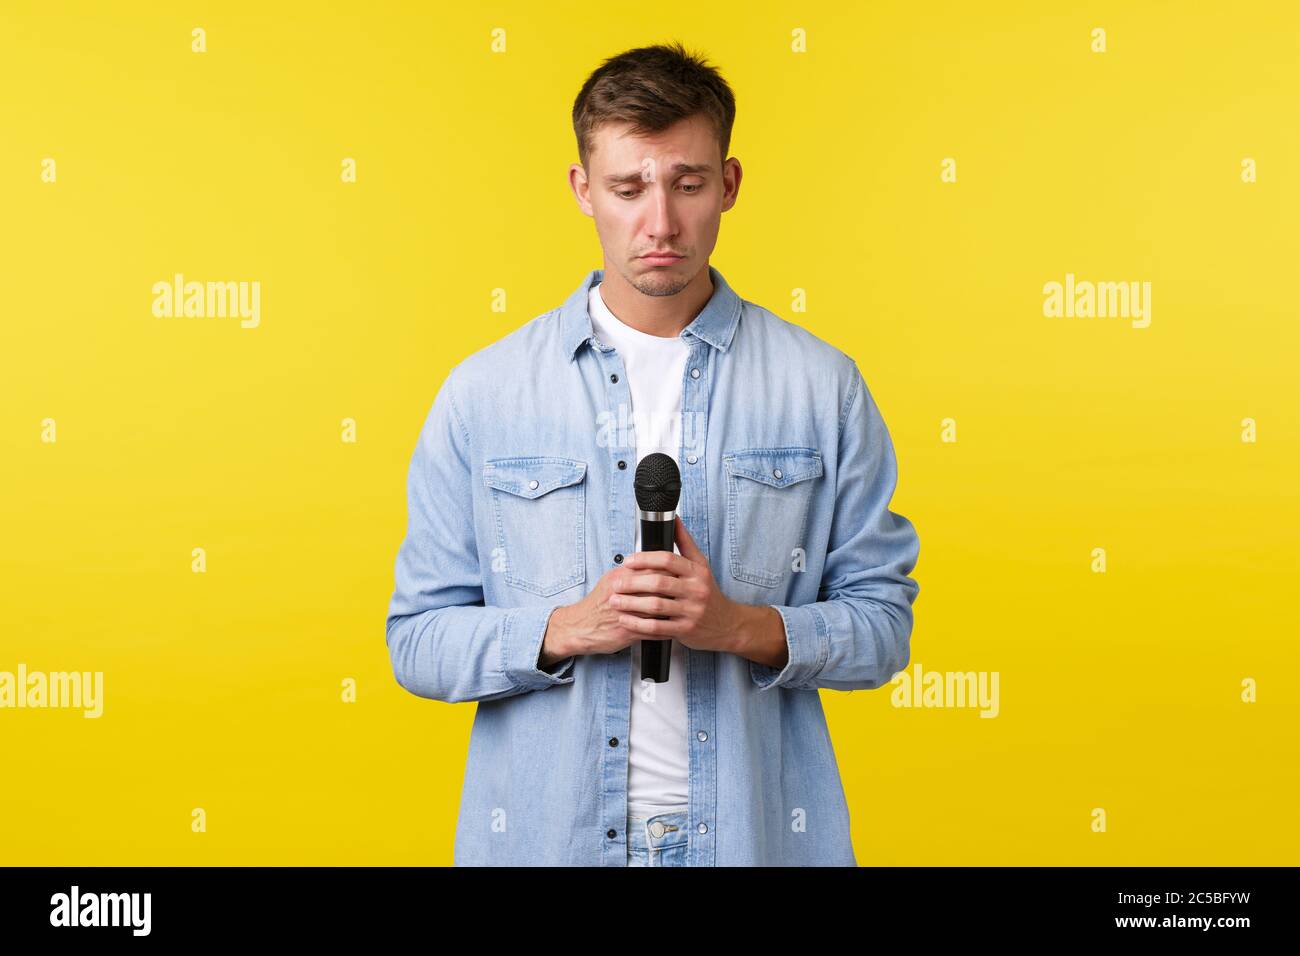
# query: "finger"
[[649, 604], [686, 544], [659, 561], [649, 626], [653, 582]]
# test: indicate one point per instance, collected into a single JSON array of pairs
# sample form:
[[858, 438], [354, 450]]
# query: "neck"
[[661, 315]]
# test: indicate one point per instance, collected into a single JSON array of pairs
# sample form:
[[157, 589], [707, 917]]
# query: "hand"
[[590, 626], [668, 595]]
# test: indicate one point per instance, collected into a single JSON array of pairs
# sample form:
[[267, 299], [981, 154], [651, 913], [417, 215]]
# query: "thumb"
[[686, 544]]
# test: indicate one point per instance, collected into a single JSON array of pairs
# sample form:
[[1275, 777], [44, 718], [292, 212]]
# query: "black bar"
[[432, 905]]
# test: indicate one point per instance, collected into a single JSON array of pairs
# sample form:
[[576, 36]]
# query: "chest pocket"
[[539, 507], [769, 491]]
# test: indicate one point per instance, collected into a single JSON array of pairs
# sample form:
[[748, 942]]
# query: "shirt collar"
[[716, 323]]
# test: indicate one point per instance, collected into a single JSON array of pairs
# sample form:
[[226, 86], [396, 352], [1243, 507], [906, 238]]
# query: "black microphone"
[[658, 486]]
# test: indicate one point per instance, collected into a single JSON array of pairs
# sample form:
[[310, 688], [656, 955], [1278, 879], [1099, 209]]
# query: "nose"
[[662, 223]]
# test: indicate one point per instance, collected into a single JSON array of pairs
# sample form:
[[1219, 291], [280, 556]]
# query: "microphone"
[[658, 486]]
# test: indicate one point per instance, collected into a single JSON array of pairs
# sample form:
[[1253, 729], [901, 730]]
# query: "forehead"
[[690, 140]]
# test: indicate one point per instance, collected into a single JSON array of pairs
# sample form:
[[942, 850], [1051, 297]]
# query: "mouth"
[[661, 259]]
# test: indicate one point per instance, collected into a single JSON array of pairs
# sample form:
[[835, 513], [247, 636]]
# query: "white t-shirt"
[[657, 748]]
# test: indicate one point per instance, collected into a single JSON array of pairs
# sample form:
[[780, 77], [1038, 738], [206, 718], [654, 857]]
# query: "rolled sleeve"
[[521, 646], [808, 644]]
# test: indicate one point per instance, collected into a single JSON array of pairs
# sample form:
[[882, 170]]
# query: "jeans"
[[658, 840]]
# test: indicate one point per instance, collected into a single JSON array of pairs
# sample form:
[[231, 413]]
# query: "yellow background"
[[1119, 690]]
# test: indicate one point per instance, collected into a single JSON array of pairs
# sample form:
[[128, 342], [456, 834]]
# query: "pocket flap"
[[532, 477], [777, 467]]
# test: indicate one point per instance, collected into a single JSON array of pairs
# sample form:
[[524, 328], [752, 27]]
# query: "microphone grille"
[[658, 483]]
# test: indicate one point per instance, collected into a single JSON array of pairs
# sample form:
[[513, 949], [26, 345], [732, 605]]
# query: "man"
[[519, 584]]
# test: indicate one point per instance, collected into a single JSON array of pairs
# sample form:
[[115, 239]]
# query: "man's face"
[[665, 192]]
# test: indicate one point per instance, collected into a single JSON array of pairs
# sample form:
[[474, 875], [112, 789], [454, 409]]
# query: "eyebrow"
[[677, 169]]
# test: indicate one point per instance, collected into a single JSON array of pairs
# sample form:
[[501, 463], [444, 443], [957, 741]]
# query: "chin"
[[660, 281]]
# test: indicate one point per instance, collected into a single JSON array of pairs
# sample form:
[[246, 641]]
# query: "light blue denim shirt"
[[518, 504]]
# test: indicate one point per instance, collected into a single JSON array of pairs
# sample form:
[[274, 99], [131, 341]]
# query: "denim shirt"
[[520, 498]]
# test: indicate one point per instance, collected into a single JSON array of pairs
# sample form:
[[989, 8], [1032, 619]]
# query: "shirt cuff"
[[522, 633], [808, 643]]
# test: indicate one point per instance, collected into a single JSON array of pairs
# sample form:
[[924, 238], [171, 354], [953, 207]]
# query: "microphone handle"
[[656, 654]]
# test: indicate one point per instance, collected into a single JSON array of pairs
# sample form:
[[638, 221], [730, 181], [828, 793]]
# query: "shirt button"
[[613, 741], [691, 459], [622, 465], [701, 735], [776, 472], [533, 484], [695, 373], [703, 828], [614, 377], [611, 833], [618, 559]]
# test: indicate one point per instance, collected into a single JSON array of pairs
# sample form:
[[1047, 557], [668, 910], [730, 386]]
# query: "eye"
[[689, 188]]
